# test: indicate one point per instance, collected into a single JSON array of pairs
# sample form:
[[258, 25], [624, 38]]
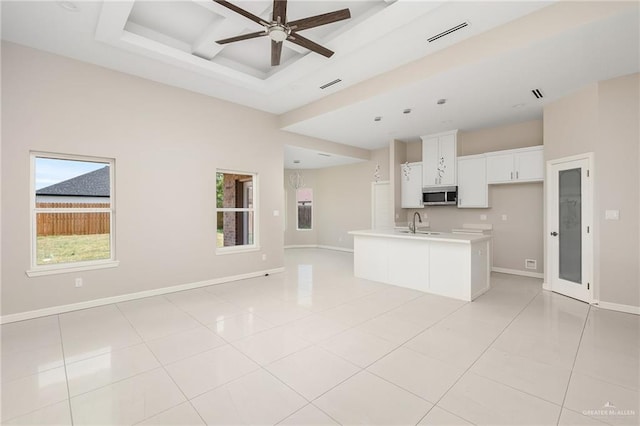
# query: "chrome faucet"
[[413, 228]]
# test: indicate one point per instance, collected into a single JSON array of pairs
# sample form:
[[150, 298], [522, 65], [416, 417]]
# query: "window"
[[304, 201], [235, 211], [72, 213]]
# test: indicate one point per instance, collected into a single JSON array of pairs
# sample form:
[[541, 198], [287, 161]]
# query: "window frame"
[[255, 209], [84, 265]]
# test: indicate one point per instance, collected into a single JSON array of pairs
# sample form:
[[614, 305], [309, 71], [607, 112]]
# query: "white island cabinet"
[[452, 265]]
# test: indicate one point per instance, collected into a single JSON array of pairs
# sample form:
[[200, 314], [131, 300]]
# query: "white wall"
[[167, 144]]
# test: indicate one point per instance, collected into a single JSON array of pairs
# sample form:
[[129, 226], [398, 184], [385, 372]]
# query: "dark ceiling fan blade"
[[276, 53], [242, 37], [316, 21], [280, 11], [242, 12], [311, 45]]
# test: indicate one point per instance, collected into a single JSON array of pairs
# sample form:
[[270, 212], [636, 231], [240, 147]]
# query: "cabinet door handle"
[[516, 175], [511, 175]]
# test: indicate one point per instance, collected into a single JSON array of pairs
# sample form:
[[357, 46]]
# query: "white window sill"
[[69, 268], [236, 249]]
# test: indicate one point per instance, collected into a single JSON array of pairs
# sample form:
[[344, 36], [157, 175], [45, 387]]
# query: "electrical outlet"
[[340, 239], [483, 217], [530, 264], [264, 257], [78, 282], [276, 212], [504, 217], [612, 214]]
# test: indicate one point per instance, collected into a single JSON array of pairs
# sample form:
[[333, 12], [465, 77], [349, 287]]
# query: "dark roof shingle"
[[92, 184]]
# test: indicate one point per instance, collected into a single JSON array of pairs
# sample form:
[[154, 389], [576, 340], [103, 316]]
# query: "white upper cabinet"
[[473, 191], [439, 159], [516, 165], [411, 184]]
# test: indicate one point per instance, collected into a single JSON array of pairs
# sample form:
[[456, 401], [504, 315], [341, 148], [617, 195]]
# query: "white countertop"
[[432, 236]]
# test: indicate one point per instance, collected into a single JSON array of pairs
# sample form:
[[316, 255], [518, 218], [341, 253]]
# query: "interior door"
[[381, 205], [569, 238]]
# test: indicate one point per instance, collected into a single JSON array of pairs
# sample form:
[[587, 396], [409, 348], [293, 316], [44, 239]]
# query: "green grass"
[[72, 248]]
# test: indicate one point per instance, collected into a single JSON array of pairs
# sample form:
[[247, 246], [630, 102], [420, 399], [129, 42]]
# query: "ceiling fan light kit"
[[278, 33], [279, 29]]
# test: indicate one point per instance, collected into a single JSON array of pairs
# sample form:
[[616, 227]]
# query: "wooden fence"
[[81, 223]]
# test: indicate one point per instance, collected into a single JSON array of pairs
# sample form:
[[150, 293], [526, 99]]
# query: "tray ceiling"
[[383, 59]]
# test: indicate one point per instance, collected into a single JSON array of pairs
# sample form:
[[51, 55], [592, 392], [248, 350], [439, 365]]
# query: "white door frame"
[[587, 232]]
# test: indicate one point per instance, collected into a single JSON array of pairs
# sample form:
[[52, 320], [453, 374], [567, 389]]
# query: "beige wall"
[[167, 143], [342, 202], [518, 238], [398, 155], [519, 135], [604, 118]]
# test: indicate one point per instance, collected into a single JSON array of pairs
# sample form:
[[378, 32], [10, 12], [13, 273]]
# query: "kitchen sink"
[[420, 232]]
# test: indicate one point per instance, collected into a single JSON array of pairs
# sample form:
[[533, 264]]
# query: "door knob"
[[554, 233]]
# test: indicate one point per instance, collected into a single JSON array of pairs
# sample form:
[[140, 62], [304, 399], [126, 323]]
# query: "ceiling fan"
[[279, 29]]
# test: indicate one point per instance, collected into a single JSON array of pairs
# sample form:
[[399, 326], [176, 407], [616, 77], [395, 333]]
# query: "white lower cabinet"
[[447, 267], [473, 191]]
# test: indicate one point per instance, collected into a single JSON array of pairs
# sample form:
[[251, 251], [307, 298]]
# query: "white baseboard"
[[629, 309], [54, 310], [517, 272], [348, 250]]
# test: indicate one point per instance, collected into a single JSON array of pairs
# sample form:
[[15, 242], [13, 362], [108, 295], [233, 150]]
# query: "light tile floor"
[[315, 345]]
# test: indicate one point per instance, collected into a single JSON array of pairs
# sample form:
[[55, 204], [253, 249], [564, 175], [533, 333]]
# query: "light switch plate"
[[612, 214], [483, 217]]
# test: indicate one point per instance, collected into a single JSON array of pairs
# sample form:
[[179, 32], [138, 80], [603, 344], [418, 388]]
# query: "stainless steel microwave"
[[440, 195]]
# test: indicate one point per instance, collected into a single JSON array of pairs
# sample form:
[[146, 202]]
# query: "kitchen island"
[[452, 265]]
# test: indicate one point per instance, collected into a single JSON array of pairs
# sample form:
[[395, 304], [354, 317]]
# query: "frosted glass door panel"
[[570, 225]]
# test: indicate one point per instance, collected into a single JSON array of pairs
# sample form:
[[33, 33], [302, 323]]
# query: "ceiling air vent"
[[331, 83], [537, 93], [447, 32]]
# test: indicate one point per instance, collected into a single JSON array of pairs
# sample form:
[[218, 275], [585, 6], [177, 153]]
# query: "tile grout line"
[[480, 356], [163, 368], [364, 369], [64, 364], [575, 358], [53, 368]]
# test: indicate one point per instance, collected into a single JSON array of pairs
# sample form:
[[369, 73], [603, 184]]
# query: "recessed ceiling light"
[[296, 161], [407, 111], [69, 6], [441, 101], [377, 118]]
